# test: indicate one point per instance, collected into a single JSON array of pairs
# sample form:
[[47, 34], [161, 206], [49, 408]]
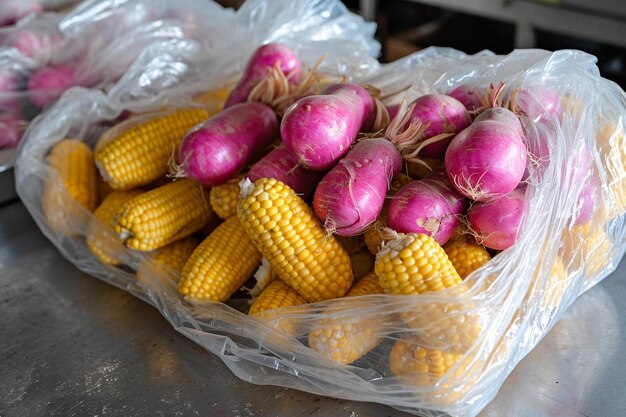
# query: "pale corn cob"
[[416, 264], [141, 154], [345, 341], [264, 275], [164, 215], [466, 256], [221, 264], [224, 198], [372, 236], [73, 161], [287, 233], [171, 257], [102, 241], [276, 295]]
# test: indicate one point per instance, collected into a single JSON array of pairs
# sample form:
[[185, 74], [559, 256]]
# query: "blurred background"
[[594, 26]]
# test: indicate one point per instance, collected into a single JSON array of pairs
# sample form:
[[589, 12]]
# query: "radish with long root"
[[320, 129], [350, 197], [217, 149], [429, 206]]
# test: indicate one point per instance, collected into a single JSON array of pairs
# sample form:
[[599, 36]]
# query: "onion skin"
[[488, 159], [264, 58], [430, 206], [497, 222], [320, 129], [215, 150], [350, 197]]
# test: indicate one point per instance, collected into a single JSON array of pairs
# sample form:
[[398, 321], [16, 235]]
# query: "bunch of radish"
[[339, 145]]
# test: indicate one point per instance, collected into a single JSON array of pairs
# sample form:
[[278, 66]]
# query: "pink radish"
[[487, 160], [438, 114], [536, 102], [283, 166], [48, 84], [497, 222], [216, 150], [259, 65], [350, 197], [11, 128], [430, 206], [467, 95], [34, 43], [319, 129]]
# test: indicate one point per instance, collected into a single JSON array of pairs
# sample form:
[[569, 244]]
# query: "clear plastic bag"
[[509, 304], [95, 45]]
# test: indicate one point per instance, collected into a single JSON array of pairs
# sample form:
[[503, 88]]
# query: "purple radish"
[[320, 129], [487, 160], [46, 85], [536, 102], [350, 197], [430, 206], [497, 222], [470, 98], [439, 114], [215, 150], [259, 65], [283, 166]]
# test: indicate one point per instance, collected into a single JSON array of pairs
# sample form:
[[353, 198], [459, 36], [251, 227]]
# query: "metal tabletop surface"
[[71, 345]]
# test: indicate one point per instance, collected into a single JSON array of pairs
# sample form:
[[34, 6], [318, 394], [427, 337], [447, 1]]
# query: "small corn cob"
[[141, 154], [171, 257], [102, 241], [587, 246], [416, 264], [287, 233], [372, 236], [556, 286], [346, 341], [276, 295], [73, 161], [221, 264], [224, 198], [417, 364], [163, 215], [466, 256]]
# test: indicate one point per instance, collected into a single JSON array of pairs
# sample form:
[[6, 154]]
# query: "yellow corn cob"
[[276, 295], [163, 215], [141, 154], [218, 96], [224, 198], [102, 241], [221, 264], [171, 257], [466, 256], [556, 286], [73, 161], [416, 264], [287, 233], [372, 236], [345, 341]]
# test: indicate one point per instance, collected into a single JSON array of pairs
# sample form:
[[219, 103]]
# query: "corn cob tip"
[[247, 187]]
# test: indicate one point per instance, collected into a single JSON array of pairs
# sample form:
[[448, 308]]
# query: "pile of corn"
[[213, 240]]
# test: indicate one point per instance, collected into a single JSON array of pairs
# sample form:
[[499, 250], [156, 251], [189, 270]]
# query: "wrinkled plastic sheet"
[[513, 297]]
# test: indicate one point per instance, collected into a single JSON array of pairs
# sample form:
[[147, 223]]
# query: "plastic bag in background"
[[14, 10], [92, 46]]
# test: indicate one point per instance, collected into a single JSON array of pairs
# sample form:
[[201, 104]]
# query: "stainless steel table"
[[71, 345]]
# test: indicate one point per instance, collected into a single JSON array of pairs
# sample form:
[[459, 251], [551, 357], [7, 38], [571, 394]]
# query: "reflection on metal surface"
[[73, 346]]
